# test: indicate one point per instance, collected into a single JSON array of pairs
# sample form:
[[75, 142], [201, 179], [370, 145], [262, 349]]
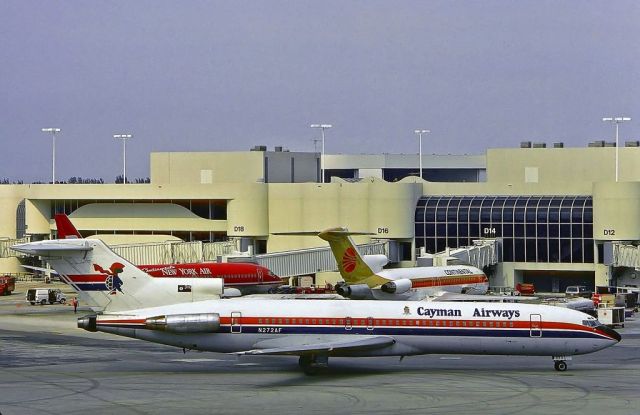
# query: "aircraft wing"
[[297, 345], [446, 296]]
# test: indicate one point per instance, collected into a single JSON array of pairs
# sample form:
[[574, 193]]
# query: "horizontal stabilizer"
[[297, 345], [53, 248]]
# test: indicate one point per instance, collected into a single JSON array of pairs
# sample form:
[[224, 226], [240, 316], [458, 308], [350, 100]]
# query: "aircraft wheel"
[[560, 365]]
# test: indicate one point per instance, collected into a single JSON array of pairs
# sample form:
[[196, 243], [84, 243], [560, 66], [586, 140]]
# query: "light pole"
[[617, 121], [419, 133], [124, 138], [322, 127], [53, 132]]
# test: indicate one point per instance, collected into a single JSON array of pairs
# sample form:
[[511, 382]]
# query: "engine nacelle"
[[88, 323], [185, 323], [355, 292], [397, 287], [375, 262], [231, 292]]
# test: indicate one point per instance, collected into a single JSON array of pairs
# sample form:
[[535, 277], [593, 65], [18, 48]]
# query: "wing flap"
[[297, 345]]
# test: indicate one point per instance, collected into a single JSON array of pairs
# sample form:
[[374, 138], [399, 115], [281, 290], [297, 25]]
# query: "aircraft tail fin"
[[351, 265], [66, 230], [110, 283]]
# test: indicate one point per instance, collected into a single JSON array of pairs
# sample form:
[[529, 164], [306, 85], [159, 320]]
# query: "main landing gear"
[[312, 363], [559, 363]]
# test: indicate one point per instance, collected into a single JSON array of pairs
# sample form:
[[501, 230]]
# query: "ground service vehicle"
[[44, 296], [7, 284], [578, 291]]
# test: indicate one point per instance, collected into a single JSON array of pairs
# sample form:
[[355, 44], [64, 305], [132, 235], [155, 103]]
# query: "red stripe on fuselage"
[[440, 281], [382, 322]]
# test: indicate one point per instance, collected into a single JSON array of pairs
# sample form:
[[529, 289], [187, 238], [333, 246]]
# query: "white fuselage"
[[415, 327], [434, 281]]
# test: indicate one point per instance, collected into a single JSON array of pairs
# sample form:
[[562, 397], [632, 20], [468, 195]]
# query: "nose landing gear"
[[559, 363]]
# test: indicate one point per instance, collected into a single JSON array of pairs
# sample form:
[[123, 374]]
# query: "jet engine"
[[354, 292], [397, 287], [185, 323], [88, 323]]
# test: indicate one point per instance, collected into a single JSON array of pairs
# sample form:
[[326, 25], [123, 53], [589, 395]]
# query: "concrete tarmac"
[[51, 367]]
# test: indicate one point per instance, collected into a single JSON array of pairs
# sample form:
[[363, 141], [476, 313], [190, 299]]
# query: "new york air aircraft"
[[238, 278], [365, 279], [315, 330]]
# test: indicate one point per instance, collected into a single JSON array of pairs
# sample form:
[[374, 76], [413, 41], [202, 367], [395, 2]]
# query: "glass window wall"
[[532, 228]]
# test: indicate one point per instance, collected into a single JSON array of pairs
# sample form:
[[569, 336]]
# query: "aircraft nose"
[[610, 332]]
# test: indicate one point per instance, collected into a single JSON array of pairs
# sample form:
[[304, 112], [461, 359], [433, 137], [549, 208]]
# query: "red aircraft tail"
[[65, 227]]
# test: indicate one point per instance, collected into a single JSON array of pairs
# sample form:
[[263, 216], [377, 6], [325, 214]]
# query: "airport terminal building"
[[558, 215]]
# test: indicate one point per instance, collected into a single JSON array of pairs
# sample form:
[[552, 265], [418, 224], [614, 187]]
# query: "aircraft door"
[[535, 327], [259, 275], [347, 323], [369, 323], [236, 325]]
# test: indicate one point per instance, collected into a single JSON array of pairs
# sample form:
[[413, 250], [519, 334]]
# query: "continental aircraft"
[[365, 278], [238, 278], [314, 330]]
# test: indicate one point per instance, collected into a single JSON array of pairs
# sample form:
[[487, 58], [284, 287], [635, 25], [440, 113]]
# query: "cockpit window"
[[590, 323]]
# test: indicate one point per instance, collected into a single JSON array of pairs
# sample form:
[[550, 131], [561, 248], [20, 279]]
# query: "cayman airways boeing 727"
[[314, 330]]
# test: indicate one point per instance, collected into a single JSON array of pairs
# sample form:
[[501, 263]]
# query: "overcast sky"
[[219, 76]]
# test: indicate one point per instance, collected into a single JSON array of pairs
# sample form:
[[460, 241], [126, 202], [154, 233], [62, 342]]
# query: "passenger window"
[[259, 321]]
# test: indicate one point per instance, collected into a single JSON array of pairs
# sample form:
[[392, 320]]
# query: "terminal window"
[[532, 228]]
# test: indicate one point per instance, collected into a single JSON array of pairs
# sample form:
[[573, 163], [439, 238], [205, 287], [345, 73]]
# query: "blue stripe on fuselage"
[[415, 331]]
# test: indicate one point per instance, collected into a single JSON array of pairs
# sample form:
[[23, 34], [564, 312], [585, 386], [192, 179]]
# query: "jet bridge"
[[481, 254], [284, 264], [620, 254], [312, 260]]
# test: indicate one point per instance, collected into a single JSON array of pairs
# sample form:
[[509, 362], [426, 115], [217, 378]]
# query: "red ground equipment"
[[525, 289], [7, 284]]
